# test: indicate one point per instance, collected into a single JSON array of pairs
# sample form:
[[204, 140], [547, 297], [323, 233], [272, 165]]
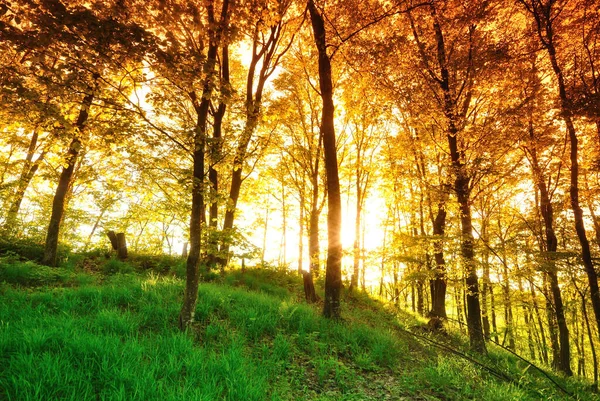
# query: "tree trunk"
[[547, 212], [438, 286], [486, 286], [197, 216], [313, 235], [121, 246], [309, 288], [30, 167], [301, 233], [112, 236], [546, 30], [463, 192], [333, 273], [64, 182], [214, 257], [590, 339], [493, 310], [357, 214]]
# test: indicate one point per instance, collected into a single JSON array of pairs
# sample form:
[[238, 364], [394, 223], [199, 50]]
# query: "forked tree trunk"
[[30, 167], [542, 13], [197, 217], [64, 182], [214, 257], [462, 191], [333, 272], [547, 212]]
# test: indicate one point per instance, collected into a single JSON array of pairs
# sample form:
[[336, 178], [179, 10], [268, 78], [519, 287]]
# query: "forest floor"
[[101, 329]]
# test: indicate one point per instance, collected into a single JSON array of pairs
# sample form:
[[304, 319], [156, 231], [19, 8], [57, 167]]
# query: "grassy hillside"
[[104, 330]]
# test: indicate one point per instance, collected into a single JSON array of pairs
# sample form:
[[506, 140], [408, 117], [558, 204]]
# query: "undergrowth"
[[115, 337]]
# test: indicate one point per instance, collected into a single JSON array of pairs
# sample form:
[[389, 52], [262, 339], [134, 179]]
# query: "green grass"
[[114, 337]]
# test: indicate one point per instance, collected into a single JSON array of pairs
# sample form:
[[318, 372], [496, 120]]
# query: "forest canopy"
[[442, 155]]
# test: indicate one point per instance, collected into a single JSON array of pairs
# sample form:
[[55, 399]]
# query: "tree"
[[545, 14], [333, 271]]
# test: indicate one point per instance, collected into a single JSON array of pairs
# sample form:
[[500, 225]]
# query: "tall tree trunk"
[[267, 58], [463, 192], [493, 310], [542, 13], [357, 222], [547, 212], [485, 288], [215, 153], [313, 229], [590, 339], [65, 180], [333, 273], [28, 171], [301, 233], [438, 286], [266, 227], [283, 252], [197, 216]]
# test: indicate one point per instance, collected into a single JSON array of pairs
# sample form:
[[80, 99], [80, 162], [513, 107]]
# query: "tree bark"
[[542, 14], [462, 191], [30, 167], [301, 233], [438, 287], [197, 216], [309, 288], [547, 212], [65, 180], [213, 176], [313, 228], [112, 236], [121, 246], [333, 272]]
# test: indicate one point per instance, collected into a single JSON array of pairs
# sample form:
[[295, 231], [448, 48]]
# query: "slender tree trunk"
[[485, 288], [215, 155], [438, 287], [459, 308], [552, 327], [265, 57], [357, 222], [313, 229], [29, 169], [283, 261], [590, 339], [333, 273], [463, 192], [540, 323], [64, 182], [301, 234], [94, 228], [527, 318], [493, 309], [547, 212], [265, 229], [197, 216], [545, 29]]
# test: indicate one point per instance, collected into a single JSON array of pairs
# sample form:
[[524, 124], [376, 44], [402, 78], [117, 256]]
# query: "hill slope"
[[85, 336]]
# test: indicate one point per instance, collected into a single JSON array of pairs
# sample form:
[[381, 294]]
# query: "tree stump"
[[121, 246], [309, 288], [113, 239]]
